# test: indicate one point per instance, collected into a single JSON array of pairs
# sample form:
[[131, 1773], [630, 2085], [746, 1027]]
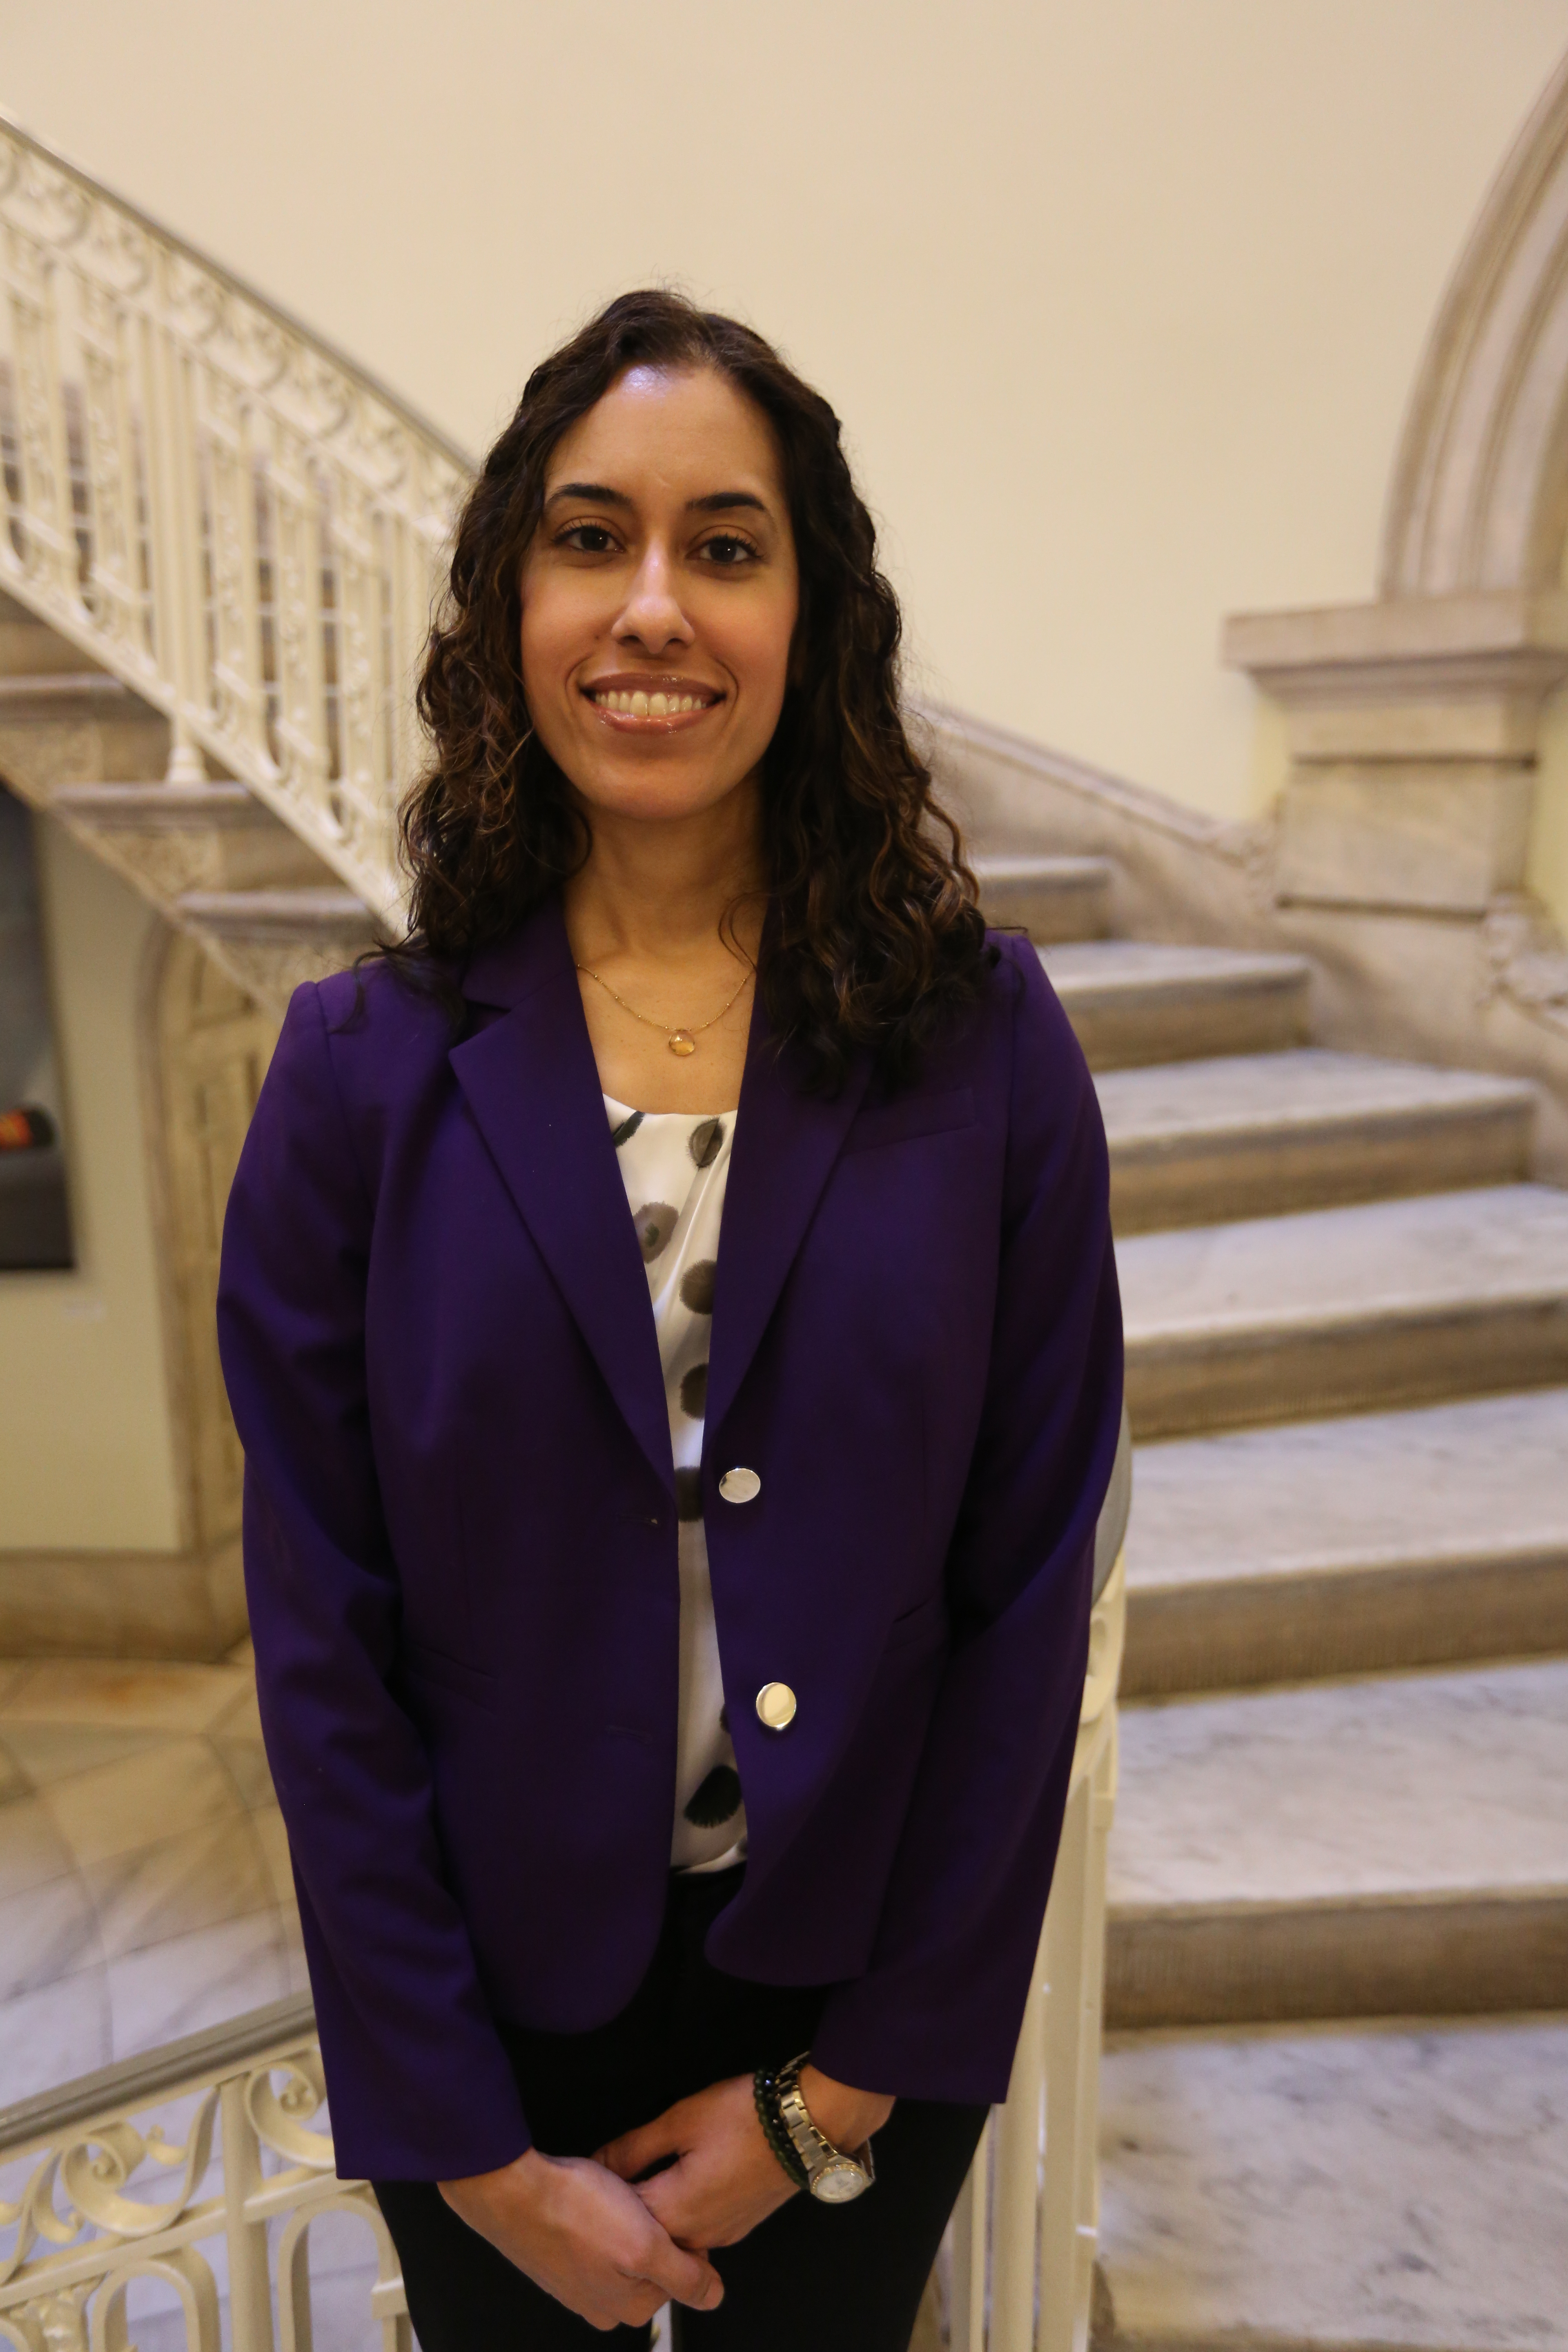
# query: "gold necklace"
[[679, 1041]]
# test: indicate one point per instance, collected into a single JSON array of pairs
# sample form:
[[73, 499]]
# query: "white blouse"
[[675, 1168]]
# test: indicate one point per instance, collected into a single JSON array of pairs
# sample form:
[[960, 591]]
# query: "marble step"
[[28, 646], [1359, 2188], [1341, 1547], [1396, 1845], [328, 911], [61, 716], [1192, 1142], [162, 808], [175, 839], [1345, 1310], [1138, 1001], [29, 696], [269, 941], [1049, 897]]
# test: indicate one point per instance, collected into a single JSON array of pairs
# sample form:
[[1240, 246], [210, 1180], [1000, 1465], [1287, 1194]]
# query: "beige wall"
[[86, 1459], [1121, 299]]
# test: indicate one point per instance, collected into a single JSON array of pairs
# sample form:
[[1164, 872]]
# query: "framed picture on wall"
[[34, 1205]]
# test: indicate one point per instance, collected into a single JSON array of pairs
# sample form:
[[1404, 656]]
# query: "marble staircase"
[[1336, 2093], [217, 862]]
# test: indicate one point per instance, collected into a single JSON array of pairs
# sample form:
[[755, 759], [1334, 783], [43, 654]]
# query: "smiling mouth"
[[656, 705]]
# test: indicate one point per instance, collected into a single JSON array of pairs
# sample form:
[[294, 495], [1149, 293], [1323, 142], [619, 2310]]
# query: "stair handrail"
[[219, 508], [155, 2074]]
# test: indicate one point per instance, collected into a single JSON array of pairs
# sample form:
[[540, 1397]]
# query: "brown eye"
[[728, 550], [587, 539]]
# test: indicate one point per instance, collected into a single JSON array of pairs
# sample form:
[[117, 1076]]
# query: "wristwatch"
[[830, 2174]]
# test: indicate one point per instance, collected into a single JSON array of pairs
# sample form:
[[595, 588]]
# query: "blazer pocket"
[[423, 1665], [901, 1121], [924, 1622]]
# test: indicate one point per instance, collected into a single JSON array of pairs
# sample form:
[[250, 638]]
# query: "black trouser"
[[841, 2278]]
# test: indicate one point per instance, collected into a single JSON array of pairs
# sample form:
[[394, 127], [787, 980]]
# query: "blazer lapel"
[[531, 1083], [786, 1141]]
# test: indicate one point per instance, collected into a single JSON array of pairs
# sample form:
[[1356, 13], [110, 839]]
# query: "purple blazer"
[[460, 1532]]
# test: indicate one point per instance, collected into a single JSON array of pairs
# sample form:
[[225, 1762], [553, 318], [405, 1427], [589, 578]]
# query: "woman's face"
[[659, 596]]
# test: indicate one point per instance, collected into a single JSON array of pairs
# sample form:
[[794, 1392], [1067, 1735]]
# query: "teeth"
[[650, 706]]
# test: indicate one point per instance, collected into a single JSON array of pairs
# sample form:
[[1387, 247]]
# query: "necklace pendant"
[[682, 1042]]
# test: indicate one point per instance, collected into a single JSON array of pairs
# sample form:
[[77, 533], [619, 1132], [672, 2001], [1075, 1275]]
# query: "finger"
[[634, 2305], [669, 2196], [665, 2206], [690, 2279], [636, 2150]]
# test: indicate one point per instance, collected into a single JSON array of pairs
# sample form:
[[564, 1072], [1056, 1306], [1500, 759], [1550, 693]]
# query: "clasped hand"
[[613, 2246]]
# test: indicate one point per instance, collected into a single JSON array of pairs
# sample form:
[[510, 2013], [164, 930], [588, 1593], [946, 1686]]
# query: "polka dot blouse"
[[675, 1169]]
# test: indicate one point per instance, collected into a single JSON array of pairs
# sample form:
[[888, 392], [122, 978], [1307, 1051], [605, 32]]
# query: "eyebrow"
[[720, 501], [599, 494]]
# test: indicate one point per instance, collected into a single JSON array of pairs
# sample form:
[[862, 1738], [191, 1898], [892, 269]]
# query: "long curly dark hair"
[[874, 935]]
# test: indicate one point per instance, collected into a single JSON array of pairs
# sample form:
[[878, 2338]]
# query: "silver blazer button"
[[740, 1487], [775, 1705]]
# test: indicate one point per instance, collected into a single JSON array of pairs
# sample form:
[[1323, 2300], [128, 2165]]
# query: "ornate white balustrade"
[[198, 2168], [1024, 2232], [224, 513]]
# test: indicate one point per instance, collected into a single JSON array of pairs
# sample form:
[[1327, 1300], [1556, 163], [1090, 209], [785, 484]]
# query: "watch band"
[[834, 2175]]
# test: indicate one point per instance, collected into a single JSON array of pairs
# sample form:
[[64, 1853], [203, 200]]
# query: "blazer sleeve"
[[418, 2081], [937, 2013]]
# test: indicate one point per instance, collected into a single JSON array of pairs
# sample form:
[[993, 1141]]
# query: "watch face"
[[836, 2184]]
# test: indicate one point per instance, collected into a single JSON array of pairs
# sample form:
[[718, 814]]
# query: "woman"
[[657, 1699]]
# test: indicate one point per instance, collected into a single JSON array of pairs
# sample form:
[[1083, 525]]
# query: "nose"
[[652, 617]]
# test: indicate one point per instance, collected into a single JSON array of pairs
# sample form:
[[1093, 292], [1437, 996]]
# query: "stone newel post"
[[1412, 728]]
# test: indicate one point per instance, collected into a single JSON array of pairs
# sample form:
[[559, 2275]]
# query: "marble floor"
[[144, 1882]]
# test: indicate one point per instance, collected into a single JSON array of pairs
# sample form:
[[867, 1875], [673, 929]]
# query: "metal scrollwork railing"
[[92, 2216], [215, 507]]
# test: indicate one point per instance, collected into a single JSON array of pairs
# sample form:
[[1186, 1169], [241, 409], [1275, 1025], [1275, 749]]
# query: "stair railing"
[[230, 2115], [1026, 2229], [218, 508]]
